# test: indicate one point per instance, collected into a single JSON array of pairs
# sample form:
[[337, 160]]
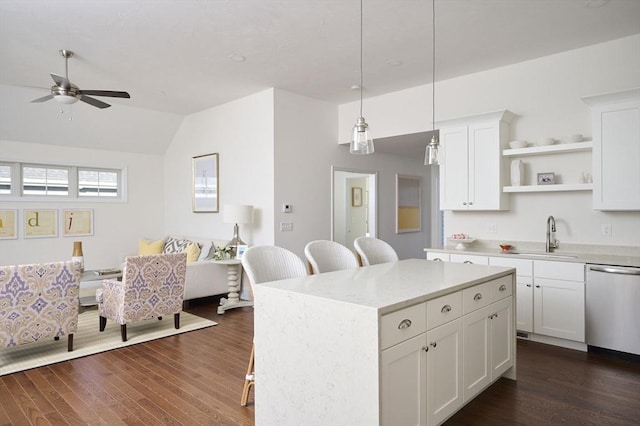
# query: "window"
[[66, 183], [5, 179], [45, 180], [98, 183]]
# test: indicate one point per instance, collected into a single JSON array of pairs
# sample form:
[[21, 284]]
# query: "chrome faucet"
[[550, 243]]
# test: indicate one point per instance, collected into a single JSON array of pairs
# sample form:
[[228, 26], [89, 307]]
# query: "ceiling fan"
[[68, 93]]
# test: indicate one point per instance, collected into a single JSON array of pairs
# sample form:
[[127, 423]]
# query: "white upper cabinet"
[[471, 171], [616, 150]]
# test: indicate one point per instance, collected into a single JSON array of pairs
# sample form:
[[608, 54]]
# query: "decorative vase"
[[517, 170], [77, 255]]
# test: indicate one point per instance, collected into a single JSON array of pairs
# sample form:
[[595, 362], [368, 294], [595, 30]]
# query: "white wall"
[[117, 226], [546, 94], [306, 149], [242, 133]]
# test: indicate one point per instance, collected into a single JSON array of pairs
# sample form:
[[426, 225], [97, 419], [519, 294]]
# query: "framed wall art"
[[77, 222], [205, 183], [8, 224], [356, 196], [40, 223], [408, 204], [546, 178]]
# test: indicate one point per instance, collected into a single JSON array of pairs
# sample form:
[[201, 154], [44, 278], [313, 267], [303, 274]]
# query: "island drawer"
[[404, 324], [444, 309], [501, 288], [476, 297]]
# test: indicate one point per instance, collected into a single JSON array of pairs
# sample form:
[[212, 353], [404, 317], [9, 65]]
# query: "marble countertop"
[[560, 256], [391, 286]]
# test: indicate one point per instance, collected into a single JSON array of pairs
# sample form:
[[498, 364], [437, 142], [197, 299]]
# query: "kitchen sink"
[[546, 255]]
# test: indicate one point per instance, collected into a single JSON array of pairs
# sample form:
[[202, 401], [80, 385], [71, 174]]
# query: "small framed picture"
[[8, 224], [77, 222], [40, 223], [356, 196], [546, 178], [240, 251]]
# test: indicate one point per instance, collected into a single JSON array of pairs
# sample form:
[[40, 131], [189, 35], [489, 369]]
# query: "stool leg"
[[249, 379]]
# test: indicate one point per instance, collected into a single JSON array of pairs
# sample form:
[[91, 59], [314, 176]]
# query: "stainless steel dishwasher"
[[613, 308]]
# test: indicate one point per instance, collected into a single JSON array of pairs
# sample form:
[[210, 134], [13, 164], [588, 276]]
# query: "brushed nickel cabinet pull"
[[503, 287], [477, 297], [445, 309], [405, 323]]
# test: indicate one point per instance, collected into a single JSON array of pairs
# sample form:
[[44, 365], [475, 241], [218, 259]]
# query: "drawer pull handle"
[[437, 259], [537, 286], [425, 348], [433, 344], [468, 261], [405, 323], [477, 297], [503, 287], [445, 309], [528, 285]]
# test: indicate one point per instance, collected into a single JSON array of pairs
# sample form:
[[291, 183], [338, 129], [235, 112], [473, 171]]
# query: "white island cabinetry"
[[380, 345]]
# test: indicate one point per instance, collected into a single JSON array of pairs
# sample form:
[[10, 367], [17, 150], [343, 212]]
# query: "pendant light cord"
[[433, 86], [361, 73]]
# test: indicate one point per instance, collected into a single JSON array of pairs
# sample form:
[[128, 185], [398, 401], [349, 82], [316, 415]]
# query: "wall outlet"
[[606, 229], [286, 208], [493, 228], [286, 226]]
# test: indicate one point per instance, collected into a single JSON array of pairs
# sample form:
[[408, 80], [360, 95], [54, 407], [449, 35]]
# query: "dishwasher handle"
[[614, 270]]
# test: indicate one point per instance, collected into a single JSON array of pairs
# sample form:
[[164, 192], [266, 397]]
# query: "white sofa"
[[205, 277]]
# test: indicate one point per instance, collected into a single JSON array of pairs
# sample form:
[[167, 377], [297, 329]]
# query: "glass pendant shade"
[[361, 141], [431, 156]]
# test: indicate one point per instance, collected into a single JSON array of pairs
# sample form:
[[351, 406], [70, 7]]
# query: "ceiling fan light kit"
[[68, 93]]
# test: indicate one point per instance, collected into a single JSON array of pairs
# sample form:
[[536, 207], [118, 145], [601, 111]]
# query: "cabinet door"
[[559, 308], [476, 361], [404, 383], [616, 155], [454, 169], [485, 185], [444, 371], [501, 340], [524, 301]]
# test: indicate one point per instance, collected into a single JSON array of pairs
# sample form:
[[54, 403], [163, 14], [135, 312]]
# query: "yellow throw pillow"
[[147, 247], [193, 252]]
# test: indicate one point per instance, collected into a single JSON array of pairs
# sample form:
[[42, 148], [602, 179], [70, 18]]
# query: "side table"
[[92, 275], [234, 278]]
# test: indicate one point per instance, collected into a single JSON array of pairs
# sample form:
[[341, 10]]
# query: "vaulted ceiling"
[[179, 57]]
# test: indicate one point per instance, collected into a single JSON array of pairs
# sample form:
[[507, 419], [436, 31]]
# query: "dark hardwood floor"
[[196, 379]]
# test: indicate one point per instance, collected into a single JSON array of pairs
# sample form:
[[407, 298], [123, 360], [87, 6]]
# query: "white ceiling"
[[175, 56]]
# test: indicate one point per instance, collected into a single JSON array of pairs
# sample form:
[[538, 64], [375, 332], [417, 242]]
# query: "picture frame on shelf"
[[548, 178], [77, 222], [8, 224], [205, 183], [240, 249], [40, 223], [356, 196]]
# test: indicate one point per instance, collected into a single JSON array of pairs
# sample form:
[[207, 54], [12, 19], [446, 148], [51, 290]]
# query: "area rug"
[[88, 340]]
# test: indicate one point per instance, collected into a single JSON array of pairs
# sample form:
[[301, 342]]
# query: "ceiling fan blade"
[[61, 81], [43, 99], [94, 102], [111, 93]]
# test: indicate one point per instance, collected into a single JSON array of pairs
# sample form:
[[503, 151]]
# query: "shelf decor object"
[[517, 170], [546, 178]]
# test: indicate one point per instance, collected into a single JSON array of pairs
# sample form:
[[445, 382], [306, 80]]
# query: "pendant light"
[[361, 141], [431, 155]]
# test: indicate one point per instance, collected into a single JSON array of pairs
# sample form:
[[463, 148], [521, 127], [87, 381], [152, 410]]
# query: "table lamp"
[[237, 213]]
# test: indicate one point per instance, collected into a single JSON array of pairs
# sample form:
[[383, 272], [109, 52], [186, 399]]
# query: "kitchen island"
[[407, 342]]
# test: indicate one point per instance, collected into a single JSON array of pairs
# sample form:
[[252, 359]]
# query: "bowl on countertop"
[[545, 141], [506, 247], [518, 144]]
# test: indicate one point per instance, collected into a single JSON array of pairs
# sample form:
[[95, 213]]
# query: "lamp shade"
[[238, 213]]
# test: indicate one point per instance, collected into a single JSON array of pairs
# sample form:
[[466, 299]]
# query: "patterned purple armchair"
[[152, 286], [38, 301]]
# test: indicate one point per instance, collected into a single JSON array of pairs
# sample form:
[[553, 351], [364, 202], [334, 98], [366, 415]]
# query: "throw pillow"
[[174, 245], [193, 251], [204, 250], [147, 247]]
